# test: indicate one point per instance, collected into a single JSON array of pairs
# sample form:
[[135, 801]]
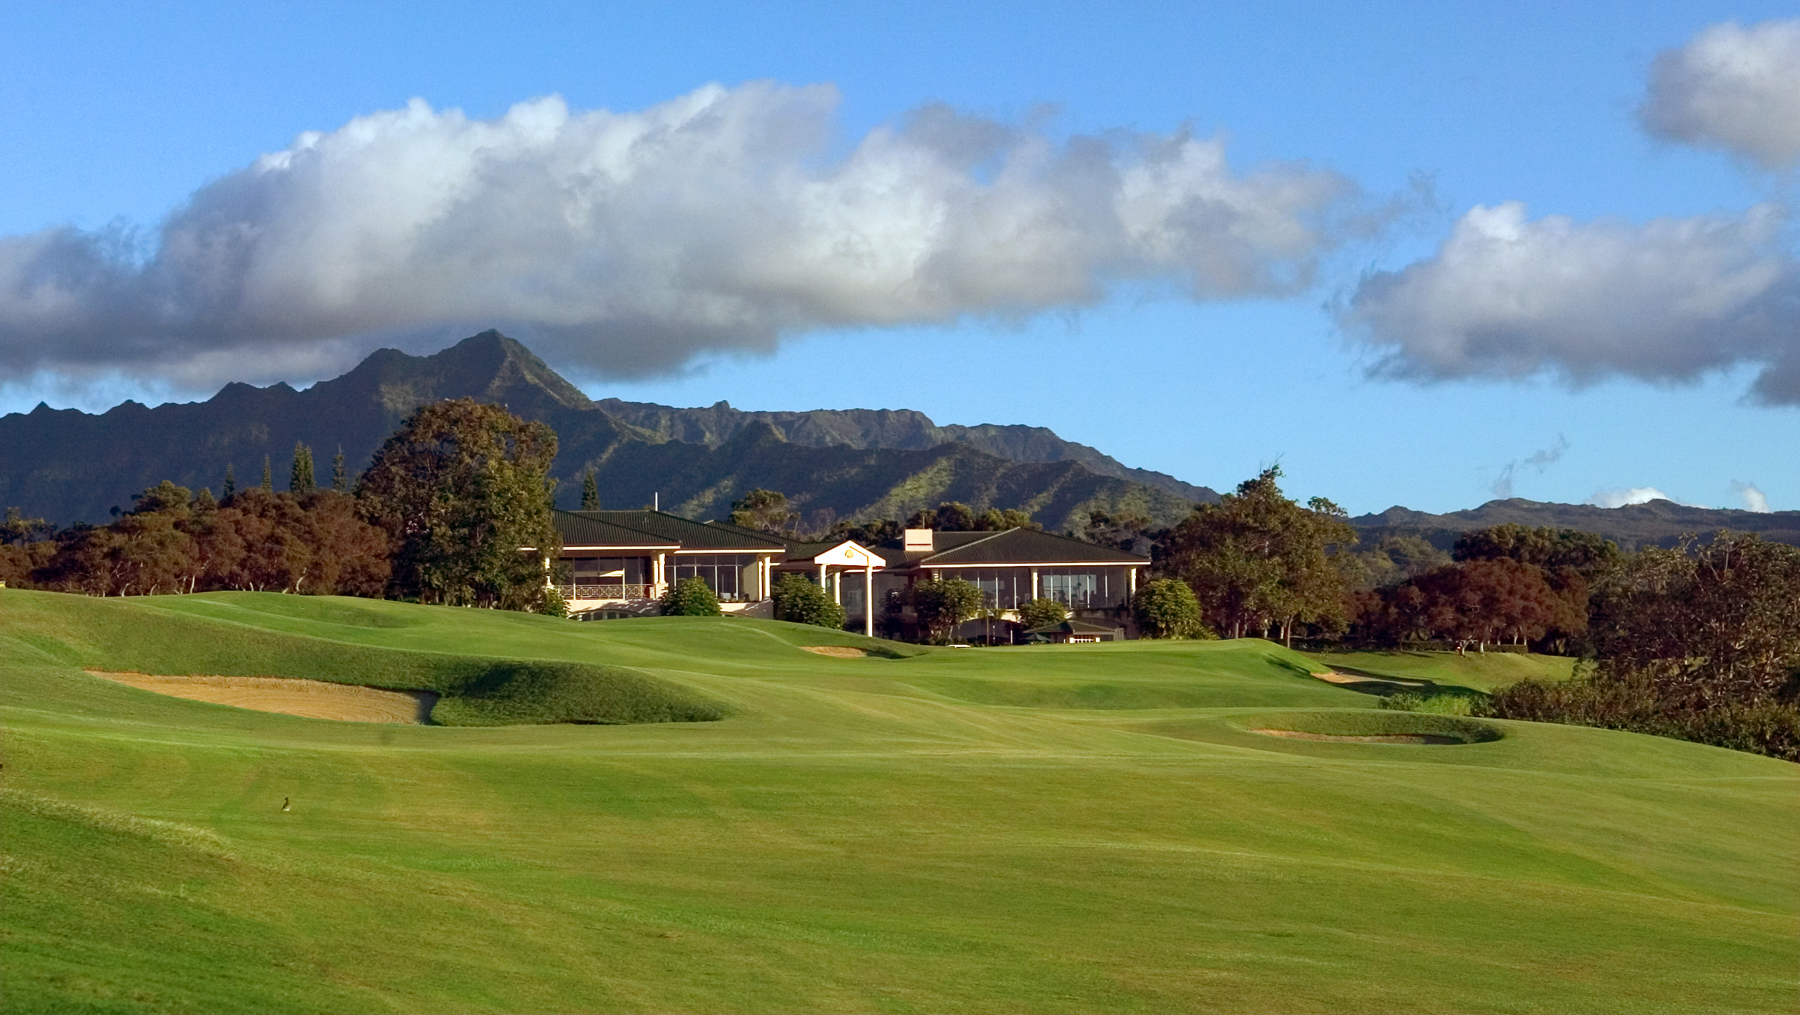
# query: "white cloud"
[[1622, 498], [628, 242], [1509, 296], [1733, 88], [1750, 497]]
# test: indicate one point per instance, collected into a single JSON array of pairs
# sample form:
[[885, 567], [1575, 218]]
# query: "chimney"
[[918, 539]]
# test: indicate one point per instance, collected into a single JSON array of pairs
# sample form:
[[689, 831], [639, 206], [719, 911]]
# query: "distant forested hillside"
[[1657, 523], [70, 466]]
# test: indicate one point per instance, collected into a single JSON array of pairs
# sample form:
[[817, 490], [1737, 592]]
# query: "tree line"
[[439, 517]]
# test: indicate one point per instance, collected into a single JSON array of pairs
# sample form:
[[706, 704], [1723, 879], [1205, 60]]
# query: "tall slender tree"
[[230, 486], [268, 482], [340, 480], [300, 478], [590, 492]]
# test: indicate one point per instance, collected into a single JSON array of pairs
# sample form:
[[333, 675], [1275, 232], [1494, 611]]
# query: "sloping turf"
[[1037, 829]]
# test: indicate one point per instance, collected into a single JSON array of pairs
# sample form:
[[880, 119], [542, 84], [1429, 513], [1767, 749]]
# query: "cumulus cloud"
[[1750, 497], [1622, 498], [1539, 460], [1507, 296], [629, 242], [1732, 88]]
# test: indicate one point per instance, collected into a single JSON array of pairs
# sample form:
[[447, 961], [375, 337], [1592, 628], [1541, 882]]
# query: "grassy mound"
[[1357, 723], [136, 635]]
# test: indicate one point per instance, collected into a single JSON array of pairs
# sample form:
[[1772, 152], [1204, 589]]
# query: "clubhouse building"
[[619, 563]]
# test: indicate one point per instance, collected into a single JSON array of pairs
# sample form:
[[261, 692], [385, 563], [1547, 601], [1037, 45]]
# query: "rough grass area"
[[1042, 829]]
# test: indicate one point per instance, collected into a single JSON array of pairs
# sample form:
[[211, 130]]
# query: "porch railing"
[[582, 590]]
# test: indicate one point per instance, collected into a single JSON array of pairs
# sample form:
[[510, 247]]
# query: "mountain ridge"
[[67, 465]]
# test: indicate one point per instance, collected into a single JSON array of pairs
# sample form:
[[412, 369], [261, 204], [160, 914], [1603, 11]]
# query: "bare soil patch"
[[837, 651], [315, 699], [1378, 738]]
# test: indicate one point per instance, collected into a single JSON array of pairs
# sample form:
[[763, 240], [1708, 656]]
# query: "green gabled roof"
[[1025, 546], [690, 534], [582, 528]]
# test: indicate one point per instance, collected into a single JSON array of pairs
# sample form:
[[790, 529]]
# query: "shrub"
[[1166, 608], [690, 597], [1441, 703], [1042, 613], [802, 602], [552, 603], [1768, 727]]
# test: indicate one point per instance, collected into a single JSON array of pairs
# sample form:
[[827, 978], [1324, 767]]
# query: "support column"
[[837, 588], [869, 599], [657, 574], [1034, 583]]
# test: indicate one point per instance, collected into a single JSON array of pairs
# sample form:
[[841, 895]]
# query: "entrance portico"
[[850, 556]]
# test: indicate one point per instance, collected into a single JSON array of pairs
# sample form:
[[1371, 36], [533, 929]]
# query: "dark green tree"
[[764, 510], [300, 477], [590, 492], [464, 492], [801, 602], [340, 480], [1166, 608], [690, 597], [268, 480], [1258, 562], [1042, 613], [230, 485], [941, 604]]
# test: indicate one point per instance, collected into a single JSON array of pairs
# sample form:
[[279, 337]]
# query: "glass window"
[[724, 573]]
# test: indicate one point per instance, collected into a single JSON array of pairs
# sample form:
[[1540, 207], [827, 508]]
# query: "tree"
[[802, 602], [955, 516], [1128, 532], [870, 533], [590, 492], [1166, 608], [690, 597], [300, 478], [229, 487], [1257, 561], [461, 489], [1042, 613], [943, 603], [763, 510], [1710, 625], [268, 481], [340, 480], [18, 529]]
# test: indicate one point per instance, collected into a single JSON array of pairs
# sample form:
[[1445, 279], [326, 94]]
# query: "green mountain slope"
[[71, 466]]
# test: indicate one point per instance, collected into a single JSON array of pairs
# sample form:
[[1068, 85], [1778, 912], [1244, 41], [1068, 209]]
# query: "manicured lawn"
[[1053, 828], [1477, 671]]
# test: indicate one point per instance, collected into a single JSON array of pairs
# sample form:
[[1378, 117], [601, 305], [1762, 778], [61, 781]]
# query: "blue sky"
[[1357, 142]]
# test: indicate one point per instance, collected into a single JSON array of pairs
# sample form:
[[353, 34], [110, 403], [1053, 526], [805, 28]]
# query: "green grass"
[[1058, 828], [1477, 671]]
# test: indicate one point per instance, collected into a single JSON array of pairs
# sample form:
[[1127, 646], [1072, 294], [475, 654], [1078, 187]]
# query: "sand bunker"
[[838, 651], [1334, 677], [315, 699], [1378, 738]]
